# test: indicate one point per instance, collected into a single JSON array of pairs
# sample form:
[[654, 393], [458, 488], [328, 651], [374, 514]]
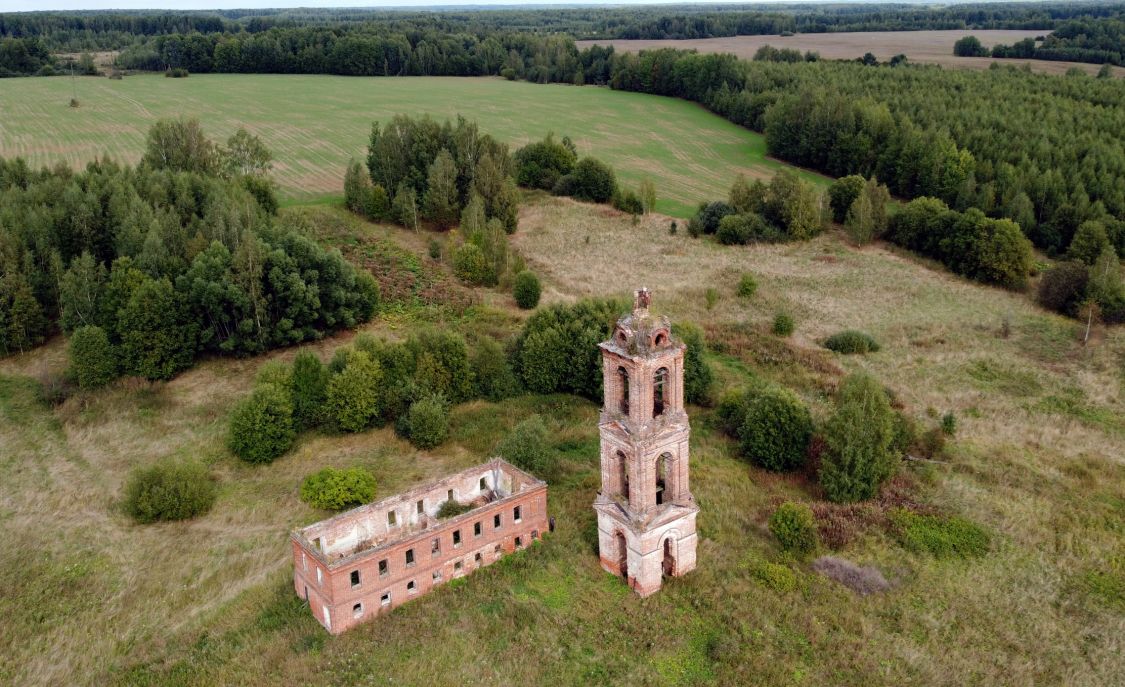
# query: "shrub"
[[1063, 287], [308, 389], [628, 201], [352, 397], [526, 289], [338, 489], [471, 265], [593, 180], [528, 447], [434, 249], [775, 576], [851, 341], [747, 286], [557, 350], [738, 230], [158, 339], [698, 378], [774, 429], [795, 528], [859, 436], [176, 73], [427, 421], [949, 424], [711, 297], [169, 491], [451, 509], [261, 426], [441, 364], [941, 537], [541, 164], [842, 194], [710, 215], [782, 324], [92, 359], [493, 377]]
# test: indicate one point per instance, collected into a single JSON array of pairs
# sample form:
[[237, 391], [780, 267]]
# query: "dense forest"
[[115, 29], [157, 264], [1100, 41]]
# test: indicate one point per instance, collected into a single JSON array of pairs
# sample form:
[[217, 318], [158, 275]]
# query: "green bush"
[[427, 421], [528, 447], [1063, 287], [850, 341], [338, 489], [526, 289], [352, 397], [859, 438], [741, 229], [941, 537], [158, 339], [493, 377], [842, 193], [709, 216], [261, 426], [698, 377], [775, 576], [774, 429], [441, 364], [169, 491], [92, 359], [747, 286], [783, 324], [471, 266], [309, 390], [593, 180], [795, 527], [949, 424], [557, 350], [451, 509], [628, 201]]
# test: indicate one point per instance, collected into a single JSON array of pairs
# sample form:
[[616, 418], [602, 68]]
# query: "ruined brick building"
[[646, 513], [366, 561]]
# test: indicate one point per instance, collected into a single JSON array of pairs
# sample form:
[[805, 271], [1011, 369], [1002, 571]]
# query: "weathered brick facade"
[[646, 513], [356, 565]]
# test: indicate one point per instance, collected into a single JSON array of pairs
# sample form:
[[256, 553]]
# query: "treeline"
[[105, 30], [149, 267], [1099, 41], [23, 57], [1040, 150]]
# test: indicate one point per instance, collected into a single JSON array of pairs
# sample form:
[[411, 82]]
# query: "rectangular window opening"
[[477, 529], [383, 568], [456, 538], [516, 514], [385, 599], [519, 542], [412, 587], [391, 519], [421, 508], [496, 521], [357, 610], [449, 495], [484, 484], [355, 578], [409, 557], [435, 546]]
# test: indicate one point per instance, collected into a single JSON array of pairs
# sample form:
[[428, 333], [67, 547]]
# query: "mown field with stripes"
[[314, 124]]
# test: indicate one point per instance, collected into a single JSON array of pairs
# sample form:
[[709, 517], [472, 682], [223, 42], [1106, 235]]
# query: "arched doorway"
[[622, 555], [668, 565]]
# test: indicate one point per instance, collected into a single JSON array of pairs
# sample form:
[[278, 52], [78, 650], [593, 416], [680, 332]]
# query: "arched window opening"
[[623, 474], [659, 391], [661, 477], [623, 377], [660, 339]]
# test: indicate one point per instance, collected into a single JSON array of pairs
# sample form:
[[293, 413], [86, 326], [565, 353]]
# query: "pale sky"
[[28, 5]]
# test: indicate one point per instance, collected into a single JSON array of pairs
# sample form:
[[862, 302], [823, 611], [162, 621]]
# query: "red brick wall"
[[335, 589]]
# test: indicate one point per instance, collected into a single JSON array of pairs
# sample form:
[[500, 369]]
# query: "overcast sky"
[[26, 5]]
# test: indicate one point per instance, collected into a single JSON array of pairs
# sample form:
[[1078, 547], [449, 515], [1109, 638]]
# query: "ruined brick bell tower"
[[646, 513]]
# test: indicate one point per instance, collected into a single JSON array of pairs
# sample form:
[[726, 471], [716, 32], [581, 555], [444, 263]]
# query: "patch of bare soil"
[[862, 580]]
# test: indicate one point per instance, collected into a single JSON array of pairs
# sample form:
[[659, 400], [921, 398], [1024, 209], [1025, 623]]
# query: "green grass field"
[[91, 598], [314, 124]]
